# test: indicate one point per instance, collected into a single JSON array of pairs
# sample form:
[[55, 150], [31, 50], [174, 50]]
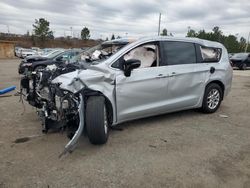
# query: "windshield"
[[69, 56], [53, 54], [240, 55], [102, 51]]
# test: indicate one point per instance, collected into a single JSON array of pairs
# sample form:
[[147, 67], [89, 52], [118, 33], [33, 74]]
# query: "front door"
[[144, 91]]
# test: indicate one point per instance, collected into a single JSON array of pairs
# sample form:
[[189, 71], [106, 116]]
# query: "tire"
[[243, 66], [96, 120], [212, 98]]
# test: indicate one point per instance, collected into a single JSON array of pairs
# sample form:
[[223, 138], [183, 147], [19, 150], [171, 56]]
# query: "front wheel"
[[96, 120], [212, 98]]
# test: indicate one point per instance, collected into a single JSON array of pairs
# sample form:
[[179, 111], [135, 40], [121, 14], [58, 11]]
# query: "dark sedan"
[[59, 58], [47, 56], [241, 60]]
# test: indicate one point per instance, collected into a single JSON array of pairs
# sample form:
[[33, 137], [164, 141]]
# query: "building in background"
[[7, 49]]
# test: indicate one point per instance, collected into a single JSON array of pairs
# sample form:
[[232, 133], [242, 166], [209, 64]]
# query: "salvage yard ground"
[[184, 149]]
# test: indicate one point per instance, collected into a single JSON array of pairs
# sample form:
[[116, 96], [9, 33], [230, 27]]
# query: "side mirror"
[[129, 65]]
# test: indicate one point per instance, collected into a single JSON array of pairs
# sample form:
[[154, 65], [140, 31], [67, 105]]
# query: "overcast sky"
[[134, 17]]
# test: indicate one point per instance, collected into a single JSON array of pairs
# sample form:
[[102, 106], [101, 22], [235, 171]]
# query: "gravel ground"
[[184, 149]]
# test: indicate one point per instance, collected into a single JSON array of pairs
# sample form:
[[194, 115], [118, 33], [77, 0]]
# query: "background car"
[[34, 58], [45, 56], [27, 52], [60, 57], [241, 60]]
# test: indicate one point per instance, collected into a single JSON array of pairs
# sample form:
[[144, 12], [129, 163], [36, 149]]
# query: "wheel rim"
[[213, 98], [105, 121]]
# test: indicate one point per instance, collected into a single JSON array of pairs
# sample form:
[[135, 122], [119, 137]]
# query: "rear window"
[[210, 54]]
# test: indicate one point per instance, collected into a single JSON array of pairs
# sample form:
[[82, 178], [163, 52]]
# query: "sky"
[[132, 18]]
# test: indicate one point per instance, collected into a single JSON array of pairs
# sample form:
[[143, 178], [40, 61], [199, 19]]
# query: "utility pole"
[[247, 42], [159, 25], [8, 29], [71, 29]]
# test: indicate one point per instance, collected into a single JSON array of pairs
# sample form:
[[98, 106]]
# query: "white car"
[[18, 52], [27, 52]]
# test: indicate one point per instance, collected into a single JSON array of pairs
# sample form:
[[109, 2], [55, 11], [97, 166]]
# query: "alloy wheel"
[[213, 99]]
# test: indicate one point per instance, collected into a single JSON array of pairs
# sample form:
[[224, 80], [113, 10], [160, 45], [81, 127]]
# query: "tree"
[[217, 35], [164, 32], [85, 33], [112, 37], [118, 37], [191, 33], [107, 39], [230, 41], [42, 30], [243, 43]]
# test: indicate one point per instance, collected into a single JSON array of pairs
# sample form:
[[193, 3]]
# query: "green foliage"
[[230, 41], [42, 30], [191, 33], [164, 32], [85, 33]]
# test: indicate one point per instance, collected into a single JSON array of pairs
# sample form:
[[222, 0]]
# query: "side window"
[[177, 53], [210, 54], [146, 53]]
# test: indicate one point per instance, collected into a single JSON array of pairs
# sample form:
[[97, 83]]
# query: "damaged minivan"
[[146, 77]]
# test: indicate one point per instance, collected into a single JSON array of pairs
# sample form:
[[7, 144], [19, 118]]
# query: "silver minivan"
[[146, 77]]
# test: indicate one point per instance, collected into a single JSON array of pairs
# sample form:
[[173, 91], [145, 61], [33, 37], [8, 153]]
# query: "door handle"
[[172, 74]]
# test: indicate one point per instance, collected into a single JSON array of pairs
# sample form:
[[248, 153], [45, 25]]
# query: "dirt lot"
[[184, 149]]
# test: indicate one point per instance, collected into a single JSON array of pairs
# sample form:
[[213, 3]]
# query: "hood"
[[42, 62], [32, 58], [94, 77]]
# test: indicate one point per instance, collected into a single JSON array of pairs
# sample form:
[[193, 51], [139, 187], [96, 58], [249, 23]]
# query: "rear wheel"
[[243, 66], [96, 120], [212, 98]]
